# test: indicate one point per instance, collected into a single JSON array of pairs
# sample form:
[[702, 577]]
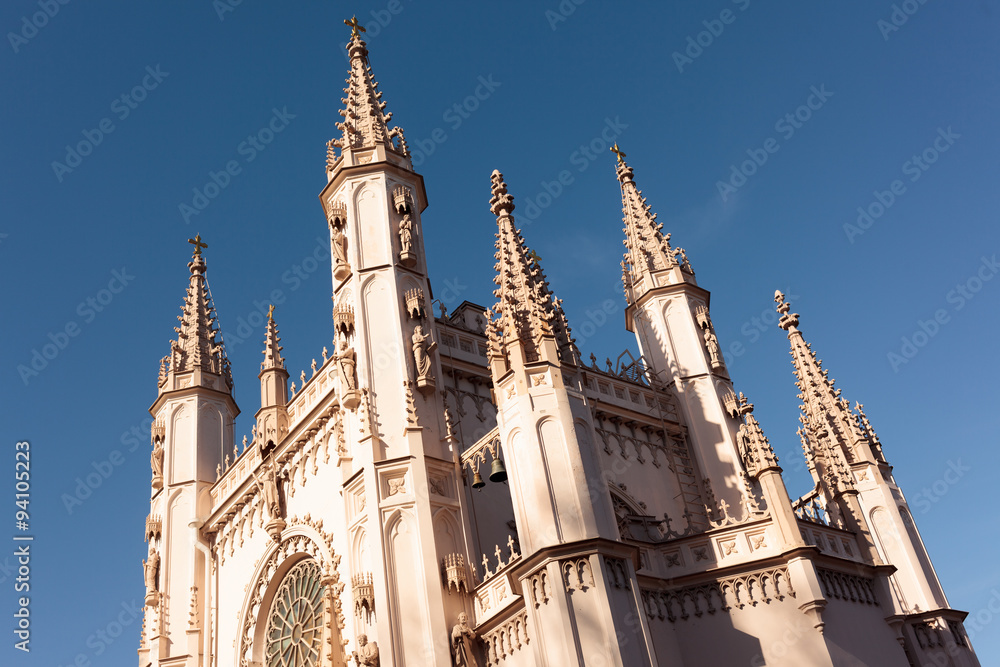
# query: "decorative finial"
[[198, 245], [355, 27], [270, 312], [619, 152]]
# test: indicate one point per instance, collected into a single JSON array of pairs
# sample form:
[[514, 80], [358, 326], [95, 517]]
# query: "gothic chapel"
[[463, 490]]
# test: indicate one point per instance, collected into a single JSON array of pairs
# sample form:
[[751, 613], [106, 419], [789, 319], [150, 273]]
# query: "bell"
[[497, 472], [477, 481]]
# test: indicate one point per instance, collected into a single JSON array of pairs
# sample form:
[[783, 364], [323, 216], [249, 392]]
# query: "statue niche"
[[423, 346]]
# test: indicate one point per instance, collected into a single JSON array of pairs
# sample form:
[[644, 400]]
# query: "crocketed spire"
[[647, 248], [272, 351], [833, 436], [196, 346], [366, 122], [526, 310]]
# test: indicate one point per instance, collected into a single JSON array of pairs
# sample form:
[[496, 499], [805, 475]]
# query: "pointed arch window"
[[294, 635]]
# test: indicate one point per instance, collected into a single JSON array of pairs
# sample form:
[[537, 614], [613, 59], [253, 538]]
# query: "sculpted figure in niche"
[[463, 639], [406, 256], [269, 491], [346, 362], [712, 345], [156, 459], [422, 348], [367, 653], [405, 234], [341, 269], [150, 569]]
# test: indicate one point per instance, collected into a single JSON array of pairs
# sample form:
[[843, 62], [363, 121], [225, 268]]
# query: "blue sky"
[[199, 80]]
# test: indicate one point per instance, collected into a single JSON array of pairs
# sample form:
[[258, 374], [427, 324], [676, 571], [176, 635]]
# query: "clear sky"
[[835, 110]]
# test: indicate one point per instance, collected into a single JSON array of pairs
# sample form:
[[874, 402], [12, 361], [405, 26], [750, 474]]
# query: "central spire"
[[196, 346], [647, 248], [527, 313], [366, 122]]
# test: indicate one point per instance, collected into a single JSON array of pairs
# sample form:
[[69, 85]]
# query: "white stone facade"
[[644, 520]]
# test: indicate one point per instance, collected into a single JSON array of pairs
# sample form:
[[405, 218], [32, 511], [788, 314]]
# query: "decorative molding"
[[503, 641], [752, 588], [847, 587], [455, 573]]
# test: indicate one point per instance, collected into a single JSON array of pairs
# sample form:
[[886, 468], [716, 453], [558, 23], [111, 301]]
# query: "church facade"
[[463, 489]]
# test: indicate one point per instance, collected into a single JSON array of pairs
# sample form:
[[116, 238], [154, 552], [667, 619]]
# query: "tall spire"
[[366, 122], [272, 351], [526, 313], [647, 248], [828, 423], [196, 347]]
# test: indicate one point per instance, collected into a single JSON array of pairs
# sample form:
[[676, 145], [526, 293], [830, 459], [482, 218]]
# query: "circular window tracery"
[[294, 632]]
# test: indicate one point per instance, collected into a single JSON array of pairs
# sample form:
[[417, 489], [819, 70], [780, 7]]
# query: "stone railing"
[[315, 388]]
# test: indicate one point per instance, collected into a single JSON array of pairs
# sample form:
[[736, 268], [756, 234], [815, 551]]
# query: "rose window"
[[295, 624]]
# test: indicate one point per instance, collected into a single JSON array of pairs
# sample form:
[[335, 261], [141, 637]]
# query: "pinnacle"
[[365, 121], [196, 346], [647, 248], [272, 350], [526, 309]]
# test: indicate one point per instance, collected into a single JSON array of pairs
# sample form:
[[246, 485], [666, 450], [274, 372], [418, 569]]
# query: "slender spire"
[[272, 351], [831, 432], [526, 311], [196, 346], [647, 248], [366, 122]]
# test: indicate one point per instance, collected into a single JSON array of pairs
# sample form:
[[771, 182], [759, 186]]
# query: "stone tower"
[[388, 378], [192, 436]]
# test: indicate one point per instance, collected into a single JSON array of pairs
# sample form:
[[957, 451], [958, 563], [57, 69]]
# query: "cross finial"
[[198, 245], [619, 152], [356, 27], [270, 312]]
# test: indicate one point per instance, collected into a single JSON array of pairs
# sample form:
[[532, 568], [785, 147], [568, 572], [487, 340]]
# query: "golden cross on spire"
[[270, 312], [534, 256], [198, 245], [619, 152], [356, 27]]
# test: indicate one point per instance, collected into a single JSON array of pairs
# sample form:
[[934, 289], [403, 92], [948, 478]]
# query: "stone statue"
[[150, 569], [269, 491], [346, 362], [422, 348], [341, 268], [462, 642], [367, 653], [156, 459], [712, 345], [405, 235]]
